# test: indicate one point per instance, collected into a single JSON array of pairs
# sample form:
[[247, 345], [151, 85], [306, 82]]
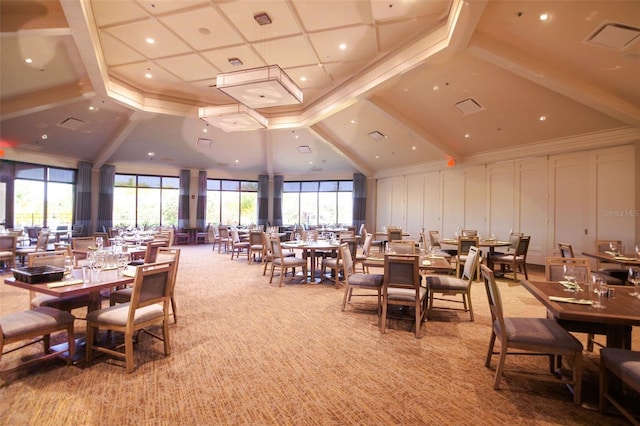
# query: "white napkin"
[[64, 283], [570, 300]]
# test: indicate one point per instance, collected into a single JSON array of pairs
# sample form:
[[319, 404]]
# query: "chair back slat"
[[495, 300]]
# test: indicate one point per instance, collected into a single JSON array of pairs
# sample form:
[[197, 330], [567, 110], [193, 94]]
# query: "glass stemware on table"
[[568, 272], [68, 267], [600, 289], [634, 278]]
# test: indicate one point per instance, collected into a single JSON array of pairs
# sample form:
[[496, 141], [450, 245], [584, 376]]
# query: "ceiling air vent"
[[304, 149], [72, 123], [203, 143], [613, 36], [469, 106], [377, 135]]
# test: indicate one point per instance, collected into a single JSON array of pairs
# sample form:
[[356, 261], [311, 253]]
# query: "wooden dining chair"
[[402, 246], [464, 245], [401, 287], [284, 263], [8, 250], [149, 306], [514, 262], [622, 365], [530, 336], [352, 280]]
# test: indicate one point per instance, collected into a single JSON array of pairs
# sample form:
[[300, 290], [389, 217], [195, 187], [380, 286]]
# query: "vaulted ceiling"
[[435, 80]]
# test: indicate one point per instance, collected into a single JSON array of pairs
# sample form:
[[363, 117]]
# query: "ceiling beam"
[[123, 132], [43, 100], [546, 75], [321, 131], [393, 114]]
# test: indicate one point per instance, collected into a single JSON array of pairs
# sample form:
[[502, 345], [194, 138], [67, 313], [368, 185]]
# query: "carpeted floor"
[[246, 352]]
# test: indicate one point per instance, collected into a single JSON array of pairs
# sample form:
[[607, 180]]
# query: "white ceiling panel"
[[166, 43], [220, 58], [288, 52], [241, 13], [188, 67], [320, 16], [360, 44]]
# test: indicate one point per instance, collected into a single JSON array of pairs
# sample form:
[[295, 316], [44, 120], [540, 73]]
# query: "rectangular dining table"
[[616, 320], [109, 279], [621, 259]]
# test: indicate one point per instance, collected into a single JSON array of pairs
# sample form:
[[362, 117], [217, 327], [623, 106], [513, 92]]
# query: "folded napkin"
[[612, 253], [375, 259], [129, 273], [624, 258], [64, 283], [426, 262], [109, 268], [570, 285], [570, 300]]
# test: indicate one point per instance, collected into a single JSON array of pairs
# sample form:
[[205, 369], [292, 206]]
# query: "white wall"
[[574, 198]]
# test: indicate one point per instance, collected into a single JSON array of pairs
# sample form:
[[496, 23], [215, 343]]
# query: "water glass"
[[68, 267], [99, 242], [601, 290], [634, 278], [569, 276]]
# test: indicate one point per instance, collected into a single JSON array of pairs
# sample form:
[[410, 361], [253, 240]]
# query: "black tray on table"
[[38, 274]]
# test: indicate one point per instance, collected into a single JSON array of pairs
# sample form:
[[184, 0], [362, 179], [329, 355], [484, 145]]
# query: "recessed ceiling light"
[[92, 108], [414, 148], [310, 163], [205, 130], [303, 78], [148, 75], [150, 40], [204, 31], [377, 156], [467, 135], [342, 46], [28, 60], [237, 161], [44, 136], [353, 121], [544, 17], [436, 87], [151, 154], [542, 118]]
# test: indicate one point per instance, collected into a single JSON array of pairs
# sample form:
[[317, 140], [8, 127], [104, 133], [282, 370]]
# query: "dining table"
[[610, 257], [311, 248], [615, 321], [428, 262]]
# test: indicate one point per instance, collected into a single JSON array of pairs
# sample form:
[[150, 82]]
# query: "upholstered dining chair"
[[41, 245], [238, 247], [284, 263], [354, 280], [225, 238], [446, 285], [149, 306], [42, 321], [401, 287], [335, 264], [366, 250], [402, 246], [53, 258], [180, 236], [624, 365], [8, 250], [534, 336], [256, 246], [434, 240], [464, 244], [516, 261], [163, 254], [203, 236], [80, 246], [469, 232]]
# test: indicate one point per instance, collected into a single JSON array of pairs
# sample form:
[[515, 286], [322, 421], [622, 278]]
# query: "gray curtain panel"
[[83, 197], [359, 199], [7, 175], [201, 206], [278, 181], [105, 199], [183, 199], [263, 199]]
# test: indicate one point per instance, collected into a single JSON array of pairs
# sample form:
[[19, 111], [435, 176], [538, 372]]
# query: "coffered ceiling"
[[436, 80]]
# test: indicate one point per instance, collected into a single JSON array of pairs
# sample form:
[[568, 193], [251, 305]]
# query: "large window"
[[44, 196], [317, 202], [145, 200], [232, 202]]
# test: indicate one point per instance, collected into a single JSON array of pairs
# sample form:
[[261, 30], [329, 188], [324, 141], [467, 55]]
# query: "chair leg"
[[89, 344], [500, 368], [383, 323], [174, 310], [577, 378], [128, 351], [71, 338], [344, 298], [492, 342]]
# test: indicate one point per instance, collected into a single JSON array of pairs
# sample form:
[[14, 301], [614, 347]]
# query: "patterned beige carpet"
[[246, 352]]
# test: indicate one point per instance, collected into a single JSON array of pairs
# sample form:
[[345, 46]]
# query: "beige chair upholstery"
[[225, 238], [464, 244], [80, 246], [447, 285], [149, 306], [8, 250], [514, 262], [335, 264], [284, 263], [623, 365], [534, 336], [238, 247], [434, 241], [163, 254], [151, 252], [54, 258], [42, 321], [353, 280], [401, 287], [366, 250], [202, 237], [402, 246], [41, 245], [256, 245], [180, 236], [469, 232]]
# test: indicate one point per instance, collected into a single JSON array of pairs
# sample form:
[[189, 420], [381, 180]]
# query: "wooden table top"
[[623, 259], [426, 262]]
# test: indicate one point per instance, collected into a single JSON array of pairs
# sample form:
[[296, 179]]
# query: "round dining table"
[[311, 248]]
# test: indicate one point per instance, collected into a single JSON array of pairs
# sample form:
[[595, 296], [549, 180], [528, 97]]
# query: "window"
[[317, 202], [44, 196], [145, 200], [232, 202]]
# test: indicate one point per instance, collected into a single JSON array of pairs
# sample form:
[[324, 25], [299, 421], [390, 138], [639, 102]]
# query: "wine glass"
[[99, 242], [568, 272], [634, 278], [98, 266]]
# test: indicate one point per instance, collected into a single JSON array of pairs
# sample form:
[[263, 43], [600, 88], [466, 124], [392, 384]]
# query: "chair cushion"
[[290, 261], [117, 314], [404, 294], [64, 303], [624, 364], [445, 283], [332, 262], [366, 280], [42, 318], [505, 258], [538, 332], [6, 253]]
